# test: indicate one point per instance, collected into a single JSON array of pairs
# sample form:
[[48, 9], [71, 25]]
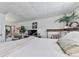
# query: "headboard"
[[64, 29]]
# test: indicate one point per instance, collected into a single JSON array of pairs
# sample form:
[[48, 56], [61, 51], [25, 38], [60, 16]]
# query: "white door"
[[2, 28]]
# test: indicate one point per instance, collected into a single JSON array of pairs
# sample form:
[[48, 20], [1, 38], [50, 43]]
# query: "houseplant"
[[7, 32], [22, 31], [68, 18]]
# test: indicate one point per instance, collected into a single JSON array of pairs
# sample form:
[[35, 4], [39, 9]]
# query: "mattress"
[[38, 47]]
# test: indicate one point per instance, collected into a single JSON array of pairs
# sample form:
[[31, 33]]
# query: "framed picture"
[[34, 25]]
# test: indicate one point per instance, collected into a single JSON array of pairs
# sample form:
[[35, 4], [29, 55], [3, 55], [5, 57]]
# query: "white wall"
[[10, 18], [47, 23], [43, 25]]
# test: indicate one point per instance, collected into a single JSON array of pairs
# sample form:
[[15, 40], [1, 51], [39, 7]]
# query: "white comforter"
[[32, 47], [39, 47]]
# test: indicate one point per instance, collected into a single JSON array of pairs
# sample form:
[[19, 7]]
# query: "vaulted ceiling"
[[25, 11]]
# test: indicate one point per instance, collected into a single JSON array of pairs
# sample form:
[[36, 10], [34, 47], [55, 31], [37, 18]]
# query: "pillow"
[[70, 43]]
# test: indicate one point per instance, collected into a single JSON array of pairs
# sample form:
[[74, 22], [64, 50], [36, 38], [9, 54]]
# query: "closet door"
[[2, 28], [0, 25]]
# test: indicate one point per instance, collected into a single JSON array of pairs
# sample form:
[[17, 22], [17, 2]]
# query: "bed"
[[39, 47], [32, 47]]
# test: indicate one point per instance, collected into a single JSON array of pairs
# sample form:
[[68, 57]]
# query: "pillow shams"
[[70, 43]]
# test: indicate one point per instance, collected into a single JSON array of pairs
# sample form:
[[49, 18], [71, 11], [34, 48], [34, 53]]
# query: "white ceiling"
[[23, 11]]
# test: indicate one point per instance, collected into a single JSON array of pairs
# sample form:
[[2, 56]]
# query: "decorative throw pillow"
[[70, 43]]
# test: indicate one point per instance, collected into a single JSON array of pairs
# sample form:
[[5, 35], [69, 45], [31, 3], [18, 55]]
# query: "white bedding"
[[38, 47], [9, 47], [70, 43]]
